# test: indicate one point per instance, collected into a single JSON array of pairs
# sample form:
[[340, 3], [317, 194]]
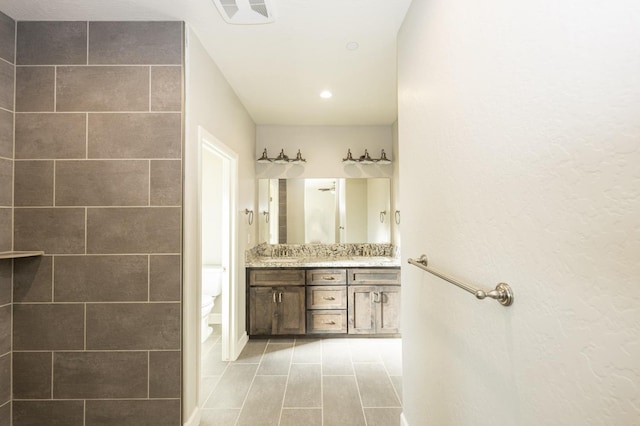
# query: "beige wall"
[[518, 128], [212, 104]]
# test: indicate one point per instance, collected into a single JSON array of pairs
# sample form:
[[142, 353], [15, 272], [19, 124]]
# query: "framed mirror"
[[327, 210]]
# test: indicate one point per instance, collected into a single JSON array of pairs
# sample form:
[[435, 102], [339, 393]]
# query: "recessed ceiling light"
[[352, 45], [325, 94]]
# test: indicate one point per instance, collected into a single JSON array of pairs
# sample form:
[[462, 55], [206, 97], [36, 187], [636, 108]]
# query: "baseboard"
[[240, 344], [403, 420], [194, 419]]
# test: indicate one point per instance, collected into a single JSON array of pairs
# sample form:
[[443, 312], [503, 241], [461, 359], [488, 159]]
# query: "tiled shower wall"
[[7, 71], [98, 187]]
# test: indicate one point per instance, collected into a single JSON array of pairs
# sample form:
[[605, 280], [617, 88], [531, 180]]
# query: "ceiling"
[[279, 69]]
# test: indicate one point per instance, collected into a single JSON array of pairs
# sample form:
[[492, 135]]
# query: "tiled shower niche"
[[97, 186]]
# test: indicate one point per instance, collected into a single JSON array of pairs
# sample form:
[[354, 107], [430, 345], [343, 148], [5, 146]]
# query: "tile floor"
[[304, 382]]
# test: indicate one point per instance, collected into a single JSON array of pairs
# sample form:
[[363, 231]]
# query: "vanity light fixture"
[[325, 94], [366, 158], [298, 158], [282, 158], [349, 159], [265, 158]]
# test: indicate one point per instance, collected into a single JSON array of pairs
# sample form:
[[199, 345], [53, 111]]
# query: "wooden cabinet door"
[[387, 309], [262, 302], [361, 310], [290, 314]]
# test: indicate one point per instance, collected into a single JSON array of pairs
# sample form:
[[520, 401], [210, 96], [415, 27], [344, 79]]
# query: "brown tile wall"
[[98, 187], [7, 77]]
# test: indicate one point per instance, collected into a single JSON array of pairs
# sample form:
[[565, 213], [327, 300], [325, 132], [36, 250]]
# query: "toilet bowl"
[[211, 288]]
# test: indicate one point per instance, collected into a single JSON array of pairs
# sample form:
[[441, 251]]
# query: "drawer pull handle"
[[329, 322], [329, 298], [329, 278]]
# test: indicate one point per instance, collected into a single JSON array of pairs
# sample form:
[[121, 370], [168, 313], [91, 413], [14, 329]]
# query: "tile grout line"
[[393, 386], [355, 378], [148, 278], [251, 385], [322, 381], [286, 384]]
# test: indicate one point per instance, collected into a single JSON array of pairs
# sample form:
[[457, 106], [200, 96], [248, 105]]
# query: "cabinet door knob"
[[280, 297], [329, 298], [376, 297], [274, 297]]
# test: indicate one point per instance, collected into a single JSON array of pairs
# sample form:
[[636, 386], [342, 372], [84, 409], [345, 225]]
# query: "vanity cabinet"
[[374, 308], [294, 301], [276, 302]]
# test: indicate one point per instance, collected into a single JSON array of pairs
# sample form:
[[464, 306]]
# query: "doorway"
[[216, 225]]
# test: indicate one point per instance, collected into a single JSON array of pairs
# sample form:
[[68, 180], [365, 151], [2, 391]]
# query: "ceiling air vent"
[[246, 12]]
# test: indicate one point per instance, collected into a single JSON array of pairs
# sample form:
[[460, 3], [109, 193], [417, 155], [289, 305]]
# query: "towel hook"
[[250, 214], [266, 216], [397, 217], [382, 215]]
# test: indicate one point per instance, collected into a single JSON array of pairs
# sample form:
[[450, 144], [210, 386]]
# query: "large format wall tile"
[[33, 183], [5, 281], [6, 134], [53, 230], [135, 43], [99, 375], [6, 85], [100, 278], [6, 182], [165, 275], [5, 378], [166, 88], [102, 183], [138, 413], [166, 183], [7, 38], [50, 413], [156, 135], [164, 374], [131, 326], [48, 327], [5, 231], [35, 87], [102, 88], [97, 184], [51, 136], [32, 279], [5, 414], [32, 375], [134, 230], [52, 43], [5, 329]]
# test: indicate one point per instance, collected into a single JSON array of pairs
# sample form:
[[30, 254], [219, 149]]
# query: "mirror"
[[327, 211]]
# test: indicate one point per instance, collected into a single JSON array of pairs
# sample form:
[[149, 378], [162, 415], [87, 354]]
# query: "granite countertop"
[[323, 262]]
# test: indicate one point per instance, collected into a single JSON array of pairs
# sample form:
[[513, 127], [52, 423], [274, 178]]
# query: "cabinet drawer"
[[386, 276], [276, 277], [327, 297], [327, 321], [326, 276]]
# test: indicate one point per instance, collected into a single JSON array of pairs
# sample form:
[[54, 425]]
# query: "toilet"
[[211, 288]]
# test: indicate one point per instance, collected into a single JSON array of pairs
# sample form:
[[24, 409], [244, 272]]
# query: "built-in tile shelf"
[[17, 254]]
